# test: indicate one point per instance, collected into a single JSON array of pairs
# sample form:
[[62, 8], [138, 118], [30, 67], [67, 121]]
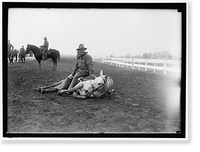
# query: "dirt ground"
[[144, 102]]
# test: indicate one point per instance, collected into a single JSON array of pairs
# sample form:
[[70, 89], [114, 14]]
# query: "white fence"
[[147, 64], [30, 58], [27, 59]]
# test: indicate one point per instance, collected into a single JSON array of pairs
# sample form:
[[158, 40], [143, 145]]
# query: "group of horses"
[[39, 55], [17, 55]]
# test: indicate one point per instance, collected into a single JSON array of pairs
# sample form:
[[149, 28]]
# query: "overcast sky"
[[102, 31]]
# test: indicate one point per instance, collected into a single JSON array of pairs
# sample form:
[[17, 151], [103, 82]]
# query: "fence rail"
[[27, 59], [30, 58], [147, 64]]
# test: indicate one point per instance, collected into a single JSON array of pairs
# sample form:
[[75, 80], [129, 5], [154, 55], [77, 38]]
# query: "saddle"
[[42, 48]]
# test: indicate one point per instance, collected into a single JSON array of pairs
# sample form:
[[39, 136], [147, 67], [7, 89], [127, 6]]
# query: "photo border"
[[180, 7]]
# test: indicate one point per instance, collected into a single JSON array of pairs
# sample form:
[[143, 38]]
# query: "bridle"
[[96, 89], [29, 48]]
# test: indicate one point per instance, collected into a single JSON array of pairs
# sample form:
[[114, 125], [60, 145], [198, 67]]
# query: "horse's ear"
[[101, 73]]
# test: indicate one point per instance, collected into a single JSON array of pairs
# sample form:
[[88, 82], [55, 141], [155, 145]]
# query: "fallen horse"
[[84, 89]]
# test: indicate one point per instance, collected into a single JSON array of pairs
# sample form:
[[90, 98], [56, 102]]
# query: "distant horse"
[[53, 54], [11, 55], [22, 56]]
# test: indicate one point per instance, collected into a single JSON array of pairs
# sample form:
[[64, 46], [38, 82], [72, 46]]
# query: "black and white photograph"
[[94, 70]]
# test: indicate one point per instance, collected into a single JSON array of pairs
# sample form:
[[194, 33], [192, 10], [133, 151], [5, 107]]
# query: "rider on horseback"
[[22, 49], [44, 48]]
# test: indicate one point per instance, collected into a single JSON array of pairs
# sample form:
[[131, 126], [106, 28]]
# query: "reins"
[[94, 90]]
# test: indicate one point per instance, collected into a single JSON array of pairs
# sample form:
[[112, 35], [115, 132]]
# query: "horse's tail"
[[58, 56]]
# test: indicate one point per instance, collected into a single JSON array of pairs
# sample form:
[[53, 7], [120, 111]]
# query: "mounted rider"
[[22, 49], [44, 48]]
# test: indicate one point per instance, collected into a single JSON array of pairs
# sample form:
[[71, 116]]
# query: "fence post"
[[165, 64], [145, 64], [133, 63], [154, 69]]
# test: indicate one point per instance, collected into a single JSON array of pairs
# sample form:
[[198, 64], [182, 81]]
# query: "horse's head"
[[28, 48], [101, 84]]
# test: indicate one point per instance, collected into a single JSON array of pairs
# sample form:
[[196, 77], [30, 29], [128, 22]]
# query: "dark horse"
[[11, 55], [22, 56], [53, 54]]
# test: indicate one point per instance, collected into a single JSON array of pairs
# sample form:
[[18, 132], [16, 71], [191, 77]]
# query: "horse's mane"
[[33, 46]]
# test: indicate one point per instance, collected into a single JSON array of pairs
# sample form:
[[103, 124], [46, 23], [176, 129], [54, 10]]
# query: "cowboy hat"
[[81, 47]]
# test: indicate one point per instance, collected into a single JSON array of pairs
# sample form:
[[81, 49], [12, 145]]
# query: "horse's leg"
[[52, 85], [48, 90], [56, 65], [12, 61], [39, 64], [53, 65], [70, 90]]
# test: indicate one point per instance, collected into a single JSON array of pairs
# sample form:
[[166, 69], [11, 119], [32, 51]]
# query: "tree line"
[[155, 55]]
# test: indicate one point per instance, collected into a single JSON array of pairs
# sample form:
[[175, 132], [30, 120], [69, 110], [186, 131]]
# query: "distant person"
[[44, 48], [83, 68], [22, 49]]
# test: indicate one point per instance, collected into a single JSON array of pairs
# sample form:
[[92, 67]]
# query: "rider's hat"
[[81, 47], [45, 38]]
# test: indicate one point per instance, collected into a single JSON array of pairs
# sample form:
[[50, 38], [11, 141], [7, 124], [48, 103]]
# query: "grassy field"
[[144, 102]]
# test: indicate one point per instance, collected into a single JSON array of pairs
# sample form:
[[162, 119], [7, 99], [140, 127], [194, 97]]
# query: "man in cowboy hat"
[[83, 66]]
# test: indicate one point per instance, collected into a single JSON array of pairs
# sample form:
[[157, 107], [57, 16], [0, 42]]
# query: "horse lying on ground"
[[84, 89]]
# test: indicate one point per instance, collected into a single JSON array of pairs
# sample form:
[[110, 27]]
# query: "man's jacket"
[[83, 64]]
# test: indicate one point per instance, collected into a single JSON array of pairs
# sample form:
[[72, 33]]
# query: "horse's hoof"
[[60, 93], [42, 90], [38, 89]]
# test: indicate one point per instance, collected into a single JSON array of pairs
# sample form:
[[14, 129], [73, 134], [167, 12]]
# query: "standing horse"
[[15, 54], [54, 55], [11, 55], [22, 56]]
